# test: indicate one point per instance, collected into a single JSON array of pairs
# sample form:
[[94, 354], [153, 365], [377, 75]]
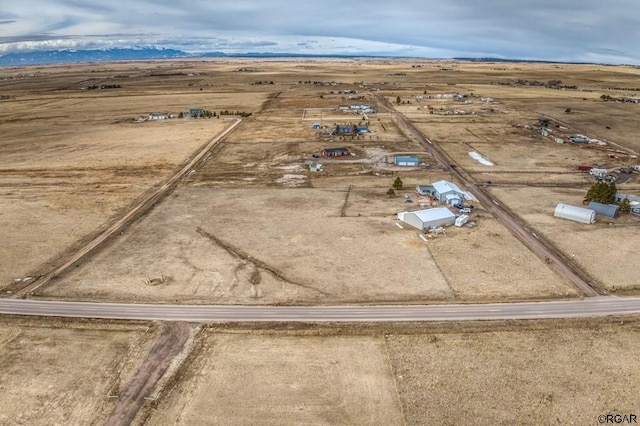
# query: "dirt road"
[[136, 211], [170, 343], [581, 280]]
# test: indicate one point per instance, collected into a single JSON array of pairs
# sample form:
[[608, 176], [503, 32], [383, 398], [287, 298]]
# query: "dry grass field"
[[564, 375], [66, 373], [239, 379], [565, 372], [253, 225]]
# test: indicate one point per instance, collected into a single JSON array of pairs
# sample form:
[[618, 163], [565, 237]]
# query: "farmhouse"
[[427, 219], [406, 161], [196, 112], [606, 210], [158, 115], [446, 192], [632, 198], [334, 152]]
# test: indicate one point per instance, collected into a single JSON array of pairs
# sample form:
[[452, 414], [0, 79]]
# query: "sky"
[[560, 30]]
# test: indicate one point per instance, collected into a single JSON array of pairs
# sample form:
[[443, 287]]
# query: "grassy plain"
[[58, 372], [538, 372], [253, 225]]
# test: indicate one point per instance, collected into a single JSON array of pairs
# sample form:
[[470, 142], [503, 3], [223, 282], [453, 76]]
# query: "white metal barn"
[[430, 218], [575, 213]]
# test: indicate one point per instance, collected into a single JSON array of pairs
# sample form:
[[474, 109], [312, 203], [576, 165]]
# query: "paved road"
[[588, 307]]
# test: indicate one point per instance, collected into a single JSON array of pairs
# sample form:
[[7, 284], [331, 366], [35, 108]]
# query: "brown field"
[[253, 225], [547, 372], [272, 380], [66, 373]]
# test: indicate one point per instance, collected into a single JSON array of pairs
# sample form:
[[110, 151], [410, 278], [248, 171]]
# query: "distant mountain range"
[[130, 54]]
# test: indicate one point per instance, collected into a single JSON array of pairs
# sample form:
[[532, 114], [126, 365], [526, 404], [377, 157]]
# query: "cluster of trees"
[[240, 113], [602, 192]]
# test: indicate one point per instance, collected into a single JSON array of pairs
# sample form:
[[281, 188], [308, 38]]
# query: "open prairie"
[[265, 219], [56, 372], [559, 371]]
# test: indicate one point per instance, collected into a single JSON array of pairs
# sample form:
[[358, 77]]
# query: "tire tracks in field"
[[258, 264]]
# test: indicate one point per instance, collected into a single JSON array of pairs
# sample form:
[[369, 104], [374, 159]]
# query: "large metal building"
[[430, 218], [575, 213]]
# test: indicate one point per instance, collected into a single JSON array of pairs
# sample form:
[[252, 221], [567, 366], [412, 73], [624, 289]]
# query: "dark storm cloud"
[[542, 29]]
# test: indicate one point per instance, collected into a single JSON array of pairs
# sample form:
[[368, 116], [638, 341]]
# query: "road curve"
[[587, 307]]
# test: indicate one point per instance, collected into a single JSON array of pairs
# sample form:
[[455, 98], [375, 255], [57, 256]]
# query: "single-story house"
[[446, 192], [196, 112], [429, 218], [363, 129], [334, 152], [158, 115], [316, 125], [620, 196], [343, 107], [606, 210], [635, 210], [406, 161]]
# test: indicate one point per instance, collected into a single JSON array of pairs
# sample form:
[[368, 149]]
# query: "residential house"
[[446, 192], [334, 152]]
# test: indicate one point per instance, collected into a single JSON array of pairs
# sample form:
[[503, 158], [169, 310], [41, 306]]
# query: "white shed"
[[575, 213], [429, 218]]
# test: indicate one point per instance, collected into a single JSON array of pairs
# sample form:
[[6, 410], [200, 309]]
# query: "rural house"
[[445, 192], [334, 152], [158, 115], [196, 112]]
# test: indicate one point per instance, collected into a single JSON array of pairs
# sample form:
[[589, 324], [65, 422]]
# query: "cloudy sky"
[[569, 30]]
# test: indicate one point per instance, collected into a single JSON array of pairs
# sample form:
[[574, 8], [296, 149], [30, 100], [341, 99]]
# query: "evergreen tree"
[[397, 184]]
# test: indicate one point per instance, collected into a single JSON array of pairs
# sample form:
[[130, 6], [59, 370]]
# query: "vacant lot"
[[69, 375], [544, 372], [242, 379], [261, 245], [558, 374]]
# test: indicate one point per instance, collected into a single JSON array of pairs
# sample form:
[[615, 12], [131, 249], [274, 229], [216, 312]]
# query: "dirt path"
[[170, 343]]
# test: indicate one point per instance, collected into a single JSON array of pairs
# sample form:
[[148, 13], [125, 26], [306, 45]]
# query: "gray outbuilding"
[[606, 210]]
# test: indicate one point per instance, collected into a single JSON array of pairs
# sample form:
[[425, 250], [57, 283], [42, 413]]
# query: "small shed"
[[606, 210], [316, 125], [406, 161], [575, 213], [429, 218], [635, 210]]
